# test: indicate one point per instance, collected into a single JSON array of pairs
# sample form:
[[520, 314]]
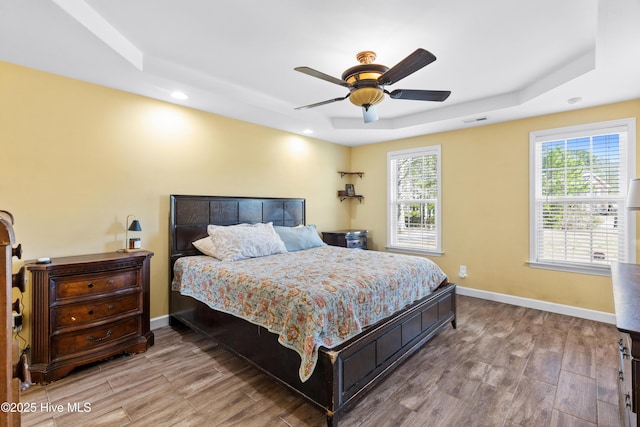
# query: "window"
[[579, 178], [414, 200]]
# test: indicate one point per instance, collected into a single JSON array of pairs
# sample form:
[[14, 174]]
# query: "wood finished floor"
[[503, 366]]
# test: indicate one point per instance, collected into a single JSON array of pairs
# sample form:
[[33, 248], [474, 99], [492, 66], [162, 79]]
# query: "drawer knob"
[[110, 307], [90, 285], [19, 280], [90, 312], [17, 251], [94, 339], [110, 281]]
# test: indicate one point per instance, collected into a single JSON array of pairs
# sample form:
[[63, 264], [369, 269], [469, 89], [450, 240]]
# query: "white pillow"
[[205, 245], [243, 241], [212, 227]]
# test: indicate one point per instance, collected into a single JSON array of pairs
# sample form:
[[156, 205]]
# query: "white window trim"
[[412, 152], [629, 125]]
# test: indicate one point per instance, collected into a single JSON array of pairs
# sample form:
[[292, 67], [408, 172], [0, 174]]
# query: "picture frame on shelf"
[[350, 189]]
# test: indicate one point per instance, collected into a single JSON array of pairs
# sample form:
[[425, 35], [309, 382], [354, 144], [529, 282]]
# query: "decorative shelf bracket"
[[343, 198], [342, 174]]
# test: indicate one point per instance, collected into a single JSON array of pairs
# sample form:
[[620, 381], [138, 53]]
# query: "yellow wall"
[[77, 158], [485, 206]]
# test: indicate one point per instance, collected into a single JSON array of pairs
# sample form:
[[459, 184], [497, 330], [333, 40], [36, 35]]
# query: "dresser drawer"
[[353, 239], [89, 338], [356, 243], [83, 285], [81, 313]]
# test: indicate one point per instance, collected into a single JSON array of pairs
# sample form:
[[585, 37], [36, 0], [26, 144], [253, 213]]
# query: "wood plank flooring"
[[503, 366]]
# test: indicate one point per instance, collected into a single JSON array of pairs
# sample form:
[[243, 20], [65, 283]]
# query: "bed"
[[339, 375]]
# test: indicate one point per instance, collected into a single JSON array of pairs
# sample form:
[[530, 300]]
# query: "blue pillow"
[[299, 238]]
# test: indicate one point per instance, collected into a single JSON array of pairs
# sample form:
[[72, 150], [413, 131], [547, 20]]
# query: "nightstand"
[[354, 239], [87, 308]]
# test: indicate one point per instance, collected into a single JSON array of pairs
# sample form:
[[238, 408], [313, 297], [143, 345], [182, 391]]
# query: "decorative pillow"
[[300, 237], [205, 245], [243, 241]]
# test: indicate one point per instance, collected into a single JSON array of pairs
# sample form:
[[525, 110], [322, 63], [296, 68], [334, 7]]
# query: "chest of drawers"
[[87, 308], [626, 296]]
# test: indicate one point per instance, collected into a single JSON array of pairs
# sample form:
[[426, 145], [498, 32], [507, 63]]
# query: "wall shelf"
[[343, 173], [348, 193]]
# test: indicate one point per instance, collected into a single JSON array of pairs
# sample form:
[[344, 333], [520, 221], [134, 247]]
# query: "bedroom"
[[78, 158]]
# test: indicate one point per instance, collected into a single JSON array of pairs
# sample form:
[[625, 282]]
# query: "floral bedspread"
[[316, 297]]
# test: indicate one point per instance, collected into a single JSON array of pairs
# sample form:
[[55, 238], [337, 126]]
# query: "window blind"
[[581, 178], [414, 190]]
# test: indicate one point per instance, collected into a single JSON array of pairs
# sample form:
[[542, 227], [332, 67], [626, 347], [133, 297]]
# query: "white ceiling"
[[502, 59]]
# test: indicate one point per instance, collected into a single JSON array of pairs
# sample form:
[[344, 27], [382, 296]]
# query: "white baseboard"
[[159, 322], [584, 313]]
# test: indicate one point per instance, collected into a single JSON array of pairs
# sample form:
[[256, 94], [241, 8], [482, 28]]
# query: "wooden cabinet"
[[354, 239], [87, 308], [626, 295], [12, 364]]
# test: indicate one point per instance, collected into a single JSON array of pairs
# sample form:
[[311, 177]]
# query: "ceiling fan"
[[366, 82]]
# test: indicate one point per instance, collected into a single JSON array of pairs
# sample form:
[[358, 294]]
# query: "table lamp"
[[132, 244]]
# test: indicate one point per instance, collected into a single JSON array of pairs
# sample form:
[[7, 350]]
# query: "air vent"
[[477, 119]]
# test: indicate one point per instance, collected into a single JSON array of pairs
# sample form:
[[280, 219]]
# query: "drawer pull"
[[624, 353], [90, 285], [624, 350], [110, 307], [110, 282], [92, 338], [90, 312]]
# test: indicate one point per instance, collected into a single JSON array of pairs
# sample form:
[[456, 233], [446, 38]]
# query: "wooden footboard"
[[343, 374]]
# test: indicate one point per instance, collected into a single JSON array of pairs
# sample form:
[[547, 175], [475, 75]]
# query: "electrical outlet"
[[17, 321], [463, 271]]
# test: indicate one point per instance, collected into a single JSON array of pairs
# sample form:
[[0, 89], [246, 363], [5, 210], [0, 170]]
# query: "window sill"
[[412, 251], [605, 270]]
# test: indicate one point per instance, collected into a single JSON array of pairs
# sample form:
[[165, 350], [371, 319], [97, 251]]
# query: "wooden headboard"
[[190, 216]]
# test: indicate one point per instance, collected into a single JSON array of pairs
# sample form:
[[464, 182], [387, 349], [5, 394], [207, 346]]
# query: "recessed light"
[[307, 131], [179, 95], [574, 100]]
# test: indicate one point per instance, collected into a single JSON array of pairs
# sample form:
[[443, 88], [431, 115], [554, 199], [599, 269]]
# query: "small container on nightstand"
[[354, 239]]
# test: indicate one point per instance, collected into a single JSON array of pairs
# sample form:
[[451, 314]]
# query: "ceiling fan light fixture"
[[364, 72], [366, 96], [366, 82]]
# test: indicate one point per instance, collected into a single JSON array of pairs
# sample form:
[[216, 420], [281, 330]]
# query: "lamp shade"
[[633, 197], [135, 226]]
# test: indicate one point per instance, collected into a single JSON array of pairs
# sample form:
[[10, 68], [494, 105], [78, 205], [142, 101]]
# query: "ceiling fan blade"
[[412, 63], [420, 95], [317, 104], [370, 114], [315, 73]]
